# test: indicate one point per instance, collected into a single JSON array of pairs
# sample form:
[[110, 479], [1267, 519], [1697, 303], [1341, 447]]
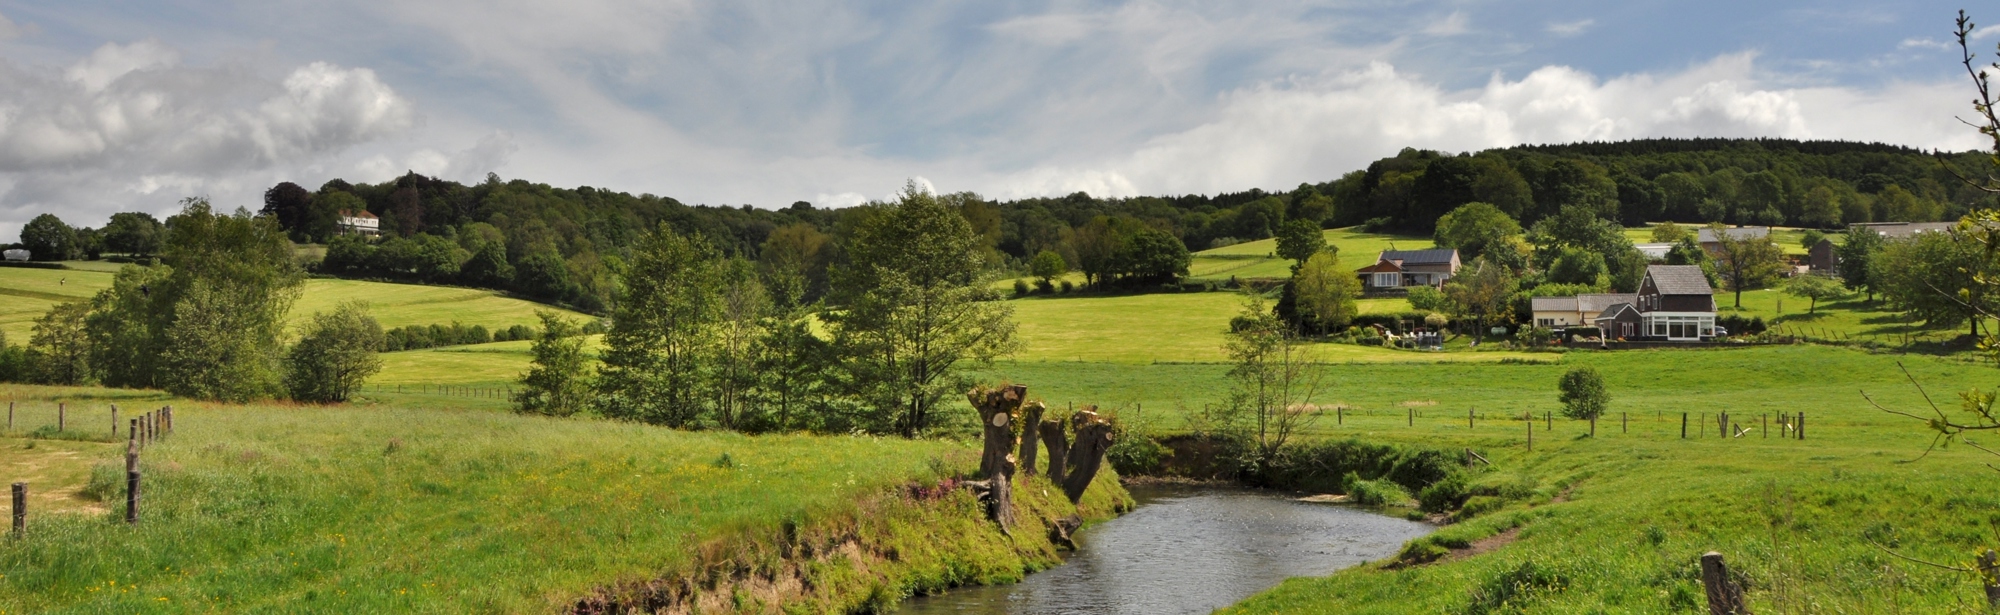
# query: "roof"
[[348, 213], [1654, 250], [1420, 257], [1743, 232], [1906, 229], [1596, 302], [1552, 304], [1380, 267], [1612, 311], [1679, 280]]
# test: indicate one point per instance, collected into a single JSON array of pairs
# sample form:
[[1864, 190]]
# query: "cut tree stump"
[[1086, 454], [1058, 444], [1031, 441], [997, 494], [996, 413], [1063, 531], [1725, 597]]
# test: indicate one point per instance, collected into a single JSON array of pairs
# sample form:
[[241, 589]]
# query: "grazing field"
[[1787, 238], [1851, 318], [29, 293], [1259, 259], [1639, 504], [374, 508]]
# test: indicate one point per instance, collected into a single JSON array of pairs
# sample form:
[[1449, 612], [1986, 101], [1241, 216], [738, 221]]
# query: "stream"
[[1188, 550]]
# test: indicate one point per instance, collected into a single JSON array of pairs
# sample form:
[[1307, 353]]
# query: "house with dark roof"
[[1398, 269], [1674, 303]]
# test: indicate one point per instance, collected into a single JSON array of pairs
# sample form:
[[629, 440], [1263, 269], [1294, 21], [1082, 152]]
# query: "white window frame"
[[1388, 280]]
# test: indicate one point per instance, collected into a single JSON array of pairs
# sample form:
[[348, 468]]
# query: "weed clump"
[[1513, 590], [1372, 492]]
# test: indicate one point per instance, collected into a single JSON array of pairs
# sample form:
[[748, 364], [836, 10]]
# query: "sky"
[[120, 106]]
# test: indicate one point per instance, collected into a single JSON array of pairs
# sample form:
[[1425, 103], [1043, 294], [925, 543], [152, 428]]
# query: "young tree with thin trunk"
[[659, 356], [1582, 394], [1275, 378], [1814, 288], [1485, 293], [557, 382], [61, 345]]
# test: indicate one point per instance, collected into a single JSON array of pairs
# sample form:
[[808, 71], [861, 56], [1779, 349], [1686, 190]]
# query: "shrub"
[[1443, 495], [107, 480], [1021, 288], [1582, 393], [1509, 590], [1372, 492], [1068, 286], [336, 355], [1427, 299], [1134, 454], [1047, 287]]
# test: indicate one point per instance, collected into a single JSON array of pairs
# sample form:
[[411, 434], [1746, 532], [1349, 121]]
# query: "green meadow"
[[30, 293], [1259, 259], [388, 508]]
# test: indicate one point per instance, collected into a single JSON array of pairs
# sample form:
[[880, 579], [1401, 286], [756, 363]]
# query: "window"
[[1387, 280], [1545, 322]]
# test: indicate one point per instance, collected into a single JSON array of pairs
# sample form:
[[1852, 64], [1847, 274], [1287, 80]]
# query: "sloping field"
[[26, 294], [1259, 259]]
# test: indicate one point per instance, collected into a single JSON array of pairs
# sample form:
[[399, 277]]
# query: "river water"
[[1188, 550]]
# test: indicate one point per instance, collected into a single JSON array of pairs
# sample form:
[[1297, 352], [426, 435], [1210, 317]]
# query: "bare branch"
[[1912, 559]]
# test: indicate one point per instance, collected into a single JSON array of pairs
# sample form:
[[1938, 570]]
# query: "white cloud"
[[1278, 135], [1571, 28], [1923, 43], [130, 125], [1986, 32], [9, 30]]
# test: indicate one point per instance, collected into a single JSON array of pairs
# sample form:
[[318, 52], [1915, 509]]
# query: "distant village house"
[[1400, 269], [359, 223], [1713, 245]]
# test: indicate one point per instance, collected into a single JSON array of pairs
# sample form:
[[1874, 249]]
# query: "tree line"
[[703, 339]]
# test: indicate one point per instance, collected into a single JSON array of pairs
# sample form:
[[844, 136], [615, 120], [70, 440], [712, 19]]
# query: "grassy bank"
[[1616, 522], [375, 509]]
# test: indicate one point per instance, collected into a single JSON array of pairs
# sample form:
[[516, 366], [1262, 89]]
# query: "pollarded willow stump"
[[1031, 441], [1086, 453], [1058, 443], [996, 409]]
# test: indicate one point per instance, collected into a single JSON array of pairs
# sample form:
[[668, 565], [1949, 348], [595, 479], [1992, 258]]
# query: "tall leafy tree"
[[207, 323], [1298, 240], [1856, 252], [1745, 262], [659, 356], [133, 233], [745, 308], [1324, 293], [336, 355], [913, 311], [1048, 265], [1472, 227], [1580, 227], [1484, 292], [1937, 277], [47, 238]]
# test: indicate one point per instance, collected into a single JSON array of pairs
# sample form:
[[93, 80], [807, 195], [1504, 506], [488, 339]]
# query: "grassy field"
[[30, 293], [1640, 503], [1259, 259], [376, 508], [1787, 238]]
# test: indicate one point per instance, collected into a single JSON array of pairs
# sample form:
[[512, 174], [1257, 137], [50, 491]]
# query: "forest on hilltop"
[[563, 245]]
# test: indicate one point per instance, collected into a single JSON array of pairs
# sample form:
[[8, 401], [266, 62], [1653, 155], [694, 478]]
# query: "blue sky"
[[108, 106]]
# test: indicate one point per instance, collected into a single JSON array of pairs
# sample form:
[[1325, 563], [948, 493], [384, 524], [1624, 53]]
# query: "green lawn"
[[376, 508], [30, 293], [1851, 318], [1787, 238]]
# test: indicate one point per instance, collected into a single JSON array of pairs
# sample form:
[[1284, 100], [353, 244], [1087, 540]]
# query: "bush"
[[1021, 288], [1736, 324], [1068, 286], [336, 355], [1134, 454], [1582, 332], [1427, 299], [1377, 225], [1582, 393], [1372, 492], [107, 480], [1047, 287], [1443, 495]]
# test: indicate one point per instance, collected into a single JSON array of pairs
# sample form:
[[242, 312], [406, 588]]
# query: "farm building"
[[1397, 269], [1577, 311], [1822, 256], [1898, 230]]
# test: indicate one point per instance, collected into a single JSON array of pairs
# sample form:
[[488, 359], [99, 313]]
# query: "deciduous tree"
[[336, 355], [557, 382], [1745, 262]]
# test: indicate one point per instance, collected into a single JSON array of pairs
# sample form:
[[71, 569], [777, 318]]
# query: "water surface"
[[1188, 550]]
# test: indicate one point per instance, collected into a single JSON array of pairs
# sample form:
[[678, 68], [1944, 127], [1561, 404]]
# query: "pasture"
[[30, 293], [380, 508]]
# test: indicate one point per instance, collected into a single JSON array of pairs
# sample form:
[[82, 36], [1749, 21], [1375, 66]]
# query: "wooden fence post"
[[10, 416], [132, 434], [132, 484], [20, 509], [170, 419], [114, 420], [1802, 426], [1413, 417], [1468, 418], [1593, 426], [1684, 425], [1531, 434], [1724, 596], [1766, 418], [1339, 415], [62, 416], [1624, 423], [1550, 420]]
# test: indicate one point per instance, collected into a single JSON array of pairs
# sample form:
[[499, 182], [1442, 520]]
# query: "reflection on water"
[[1188, 551]]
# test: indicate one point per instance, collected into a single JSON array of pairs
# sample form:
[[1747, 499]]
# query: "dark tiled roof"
[[1612, 312], [1552, 304], [1906, 229], [1747, 232], [1679, 279], [1596, 302], [1420, 257]]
